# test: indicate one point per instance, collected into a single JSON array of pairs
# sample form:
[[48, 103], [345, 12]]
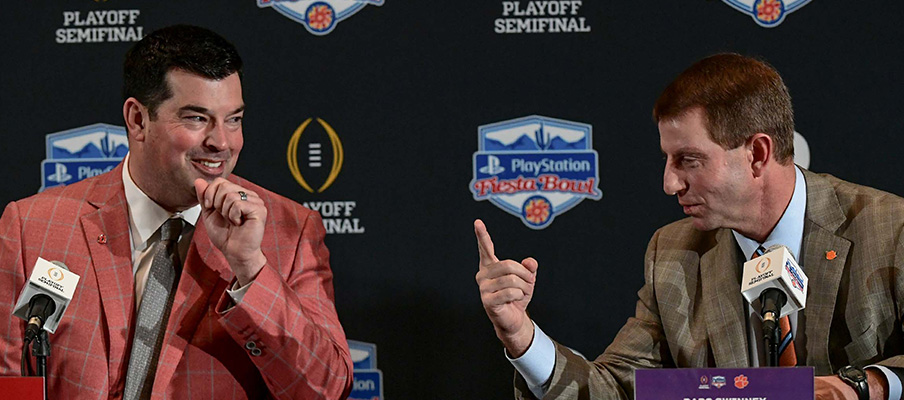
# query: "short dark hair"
[[739, 96], [189, 48]]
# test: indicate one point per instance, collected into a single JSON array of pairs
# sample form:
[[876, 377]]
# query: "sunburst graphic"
[[320, 16], [769, 11], [537, 210]]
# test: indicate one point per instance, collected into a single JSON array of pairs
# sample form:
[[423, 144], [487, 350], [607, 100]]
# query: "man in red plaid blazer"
[[253, 312]]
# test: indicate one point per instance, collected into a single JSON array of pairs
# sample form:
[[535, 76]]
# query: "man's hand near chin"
[[234, 218]]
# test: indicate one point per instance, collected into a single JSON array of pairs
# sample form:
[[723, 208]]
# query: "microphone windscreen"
[[60, 264]]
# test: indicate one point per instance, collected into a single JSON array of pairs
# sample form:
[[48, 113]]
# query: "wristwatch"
[[856, 378]]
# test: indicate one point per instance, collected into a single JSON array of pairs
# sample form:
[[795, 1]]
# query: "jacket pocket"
[[863, 348]]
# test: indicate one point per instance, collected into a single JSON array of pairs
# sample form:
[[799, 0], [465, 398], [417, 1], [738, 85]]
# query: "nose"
[[672, 183], [217, 138]]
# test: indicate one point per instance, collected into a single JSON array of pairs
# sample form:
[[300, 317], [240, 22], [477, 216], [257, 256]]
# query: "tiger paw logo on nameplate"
[[318, 16], [767, 13], [535, 167], [79, 153]]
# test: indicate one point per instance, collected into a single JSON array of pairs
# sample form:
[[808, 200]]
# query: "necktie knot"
[[758, 252], [171, 229]]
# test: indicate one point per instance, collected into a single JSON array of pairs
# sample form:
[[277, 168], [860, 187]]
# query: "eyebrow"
[[686, 151], [202, 110]]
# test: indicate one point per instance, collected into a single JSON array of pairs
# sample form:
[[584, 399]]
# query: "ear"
[[761, 148], [136, 116]]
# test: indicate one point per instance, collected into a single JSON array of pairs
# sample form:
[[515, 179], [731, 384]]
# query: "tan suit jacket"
[[690, 312]]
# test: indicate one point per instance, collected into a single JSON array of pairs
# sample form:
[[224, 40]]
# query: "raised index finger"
[[484, 244]]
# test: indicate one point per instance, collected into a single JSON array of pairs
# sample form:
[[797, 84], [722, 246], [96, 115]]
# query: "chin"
[[703, 225]]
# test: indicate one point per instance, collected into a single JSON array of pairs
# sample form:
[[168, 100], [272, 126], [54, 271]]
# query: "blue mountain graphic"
[[523, 143], [560, 144], [90, 151]]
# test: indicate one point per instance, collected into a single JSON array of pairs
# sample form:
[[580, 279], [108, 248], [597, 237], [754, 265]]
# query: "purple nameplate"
[[724, 383]]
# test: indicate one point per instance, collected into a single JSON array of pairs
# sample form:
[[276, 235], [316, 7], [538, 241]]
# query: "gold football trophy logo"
[[315, 155]]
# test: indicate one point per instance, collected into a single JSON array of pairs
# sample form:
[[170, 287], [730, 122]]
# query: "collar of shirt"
[[145, 215], [790, 228]]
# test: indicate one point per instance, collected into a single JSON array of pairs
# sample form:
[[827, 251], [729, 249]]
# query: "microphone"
[[40, 307], [775, 285], [776, 269], [45, 297]]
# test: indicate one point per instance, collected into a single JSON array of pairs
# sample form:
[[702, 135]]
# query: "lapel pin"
[[830, 255], [102, 239]]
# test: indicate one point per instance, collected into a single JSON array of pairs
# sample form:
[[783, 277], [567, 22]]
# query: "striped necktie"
[[787, 356]]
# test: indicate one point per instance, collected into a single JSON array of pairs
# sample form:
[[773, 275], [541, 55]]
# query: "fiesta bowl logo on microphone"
[[767, 13], [796, 280], [318, 16], [535, 167]]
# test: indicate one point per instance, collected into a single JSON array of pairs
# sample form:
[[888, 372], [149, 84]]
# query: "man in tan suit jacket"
[[726, 129]]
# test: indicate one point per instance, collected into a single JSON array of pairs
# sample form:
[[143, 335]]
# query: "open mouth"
[[211, 164], [210, 167]]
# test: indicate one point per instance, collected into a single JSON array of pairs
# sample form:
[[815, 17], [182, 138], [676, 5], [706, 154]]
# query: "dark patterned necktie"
[[787, 356], [153, 313]]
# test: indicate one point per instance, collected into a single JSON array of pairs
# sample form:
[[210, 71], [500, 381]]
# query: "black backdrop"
[[406, 84]]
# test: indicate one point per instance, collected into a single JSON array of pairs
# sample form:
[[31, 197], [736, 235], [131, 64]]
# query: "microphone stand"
[[771, 336], [40, 348], [772, 301]]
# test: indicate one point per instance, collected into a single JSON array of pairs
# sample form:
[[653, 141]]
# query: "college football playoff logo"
[[317, 157]]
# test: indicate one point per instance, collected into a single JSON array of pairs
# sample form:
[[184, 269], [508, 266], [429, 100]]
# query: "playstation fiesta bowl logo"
[[796, 280], [318, 16], [535, 167], [767, 13], [79, 153]]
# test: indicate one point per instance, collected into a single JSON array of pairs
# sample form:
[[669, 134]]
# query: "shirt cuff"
[[894, 383], [536, 365], [237, 294]]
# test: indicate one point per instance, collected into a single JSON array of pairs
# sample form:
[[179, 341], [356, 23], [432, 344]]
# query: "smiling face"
[[713, 185], [196, 133]]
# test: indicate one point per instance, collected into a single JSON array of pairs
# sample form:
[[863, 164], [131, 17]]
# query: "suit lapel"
[[204, 274], [205, 277], [106, 232], [824, 217], [725, 316]]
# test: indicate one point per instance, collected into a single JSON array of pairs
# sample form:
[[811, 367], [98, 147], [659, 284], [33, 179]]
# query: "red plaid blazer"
[[287, 314]]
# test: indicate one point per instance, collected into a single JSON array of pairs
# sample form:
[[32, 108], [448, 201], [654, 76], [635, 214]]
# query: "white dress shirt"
[[145, 219]]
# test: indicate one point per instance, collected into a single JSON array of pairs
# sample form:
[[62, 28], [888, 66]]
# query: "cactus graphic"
[[542, 138]]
